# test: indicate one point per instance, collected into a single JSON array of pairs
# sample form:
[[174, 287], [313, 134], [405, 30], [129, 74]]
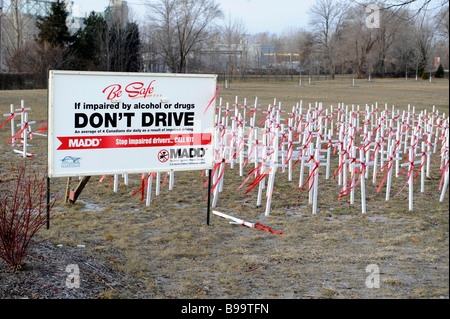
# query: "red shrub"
[[23, 211]]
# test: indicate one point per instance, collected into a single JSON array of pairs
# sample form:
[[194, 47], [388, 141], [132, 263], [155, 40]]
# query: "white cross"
[[13, 127], [25, 137], [410, 182]]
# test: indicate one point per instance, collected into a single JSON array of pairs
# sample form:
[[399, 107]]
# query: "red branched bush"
[[23, 211]]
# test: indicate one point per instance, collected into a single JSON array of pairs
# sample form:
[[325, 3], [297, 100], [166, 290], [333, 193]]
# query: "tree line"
[[194, 36], [103, 44]]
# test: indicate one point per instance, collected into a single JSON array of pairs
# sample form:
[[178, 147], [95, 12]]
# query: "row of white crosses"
[[308, 138], [269, 150], [147, 184], [272, 144], [375, 138], [25, 132]]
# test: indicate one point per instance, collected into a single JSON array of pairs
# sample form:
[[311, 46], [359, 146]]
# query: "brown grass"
[[167, 250]]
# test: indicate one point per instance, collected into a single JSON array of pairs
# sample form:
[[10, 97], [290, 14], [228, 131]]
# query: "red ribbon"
[[249, 175], [313, 173], [241, 147], [377, 146], [292, 116], [268, 114], [289, 152], [257, 179], [267, 229], [443, 174], [390, 163], [251, 112], [444, 139], [9, 119], [144, 183], [410, 171], [345, 192], [42, 129], [216, 166], [18, 133], [420, 167], [212, 100], [165, 177]]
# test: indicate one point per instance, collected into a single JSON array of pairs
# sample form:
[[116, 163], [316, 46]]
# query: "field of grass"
[[166, 250]]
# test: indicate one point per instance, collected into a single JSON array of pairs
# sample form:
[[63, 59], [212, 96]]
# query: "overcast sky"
[[259, 15]]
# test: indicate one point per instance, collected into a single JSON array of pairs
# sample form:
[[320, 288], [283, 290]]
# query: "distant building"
[[74, 21], [117, 13]]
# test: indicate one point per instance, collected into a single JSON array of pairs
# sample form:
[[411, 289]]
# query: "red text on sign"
[[134, 90]]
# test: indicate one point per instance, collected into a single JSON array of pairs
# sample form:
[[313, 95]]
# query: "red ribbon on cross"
[[443, 172], [312, 174], [18, 133], [9, 119], [212, 100], [267, 229], [144, 183]]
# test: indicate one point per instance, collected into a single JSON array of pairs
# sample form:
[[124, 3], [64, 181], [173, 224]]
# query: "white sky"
[[273, 16]]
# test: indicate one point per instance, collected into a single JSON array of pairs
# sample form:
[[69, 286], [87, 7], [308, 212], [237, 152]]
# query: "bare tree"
[[404, 50], [390, 30], [442, 45], [414, 46], [233, 33], [443, 22], [417, 6], [406, 35], [327, 17], [150, 49], [180, 26], [40, 58], [358, 39], [18, 27], [420, 5], [425, 31]]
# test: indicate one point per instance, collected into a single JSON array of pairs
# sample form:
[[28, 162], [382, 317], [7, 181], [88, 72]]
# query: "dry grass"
[[167, 250]]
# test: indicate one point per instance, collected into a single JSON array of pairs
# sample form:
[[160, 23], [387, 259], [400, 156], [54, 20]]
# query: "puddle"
[[300, 211], [89, 206], [181, 205]]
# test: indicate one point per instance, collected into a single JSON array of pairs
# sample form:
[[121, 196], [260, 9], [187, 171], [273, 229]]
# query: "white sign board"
[[114, 123]]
